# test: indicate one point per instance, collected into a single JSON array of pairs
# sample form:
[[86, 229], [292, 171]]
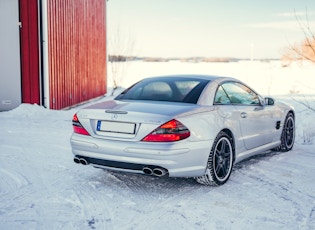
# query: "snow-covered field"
[[41, 187]]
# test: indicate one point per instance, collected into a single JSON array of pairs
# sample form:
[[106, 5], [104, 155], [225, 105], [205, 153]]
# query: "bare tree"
[[301, 51], [304, 50], [120, 48]]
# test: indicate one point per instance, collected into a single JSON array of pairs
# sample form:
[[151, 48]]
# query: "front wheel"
[[220, 162], [288, 134]]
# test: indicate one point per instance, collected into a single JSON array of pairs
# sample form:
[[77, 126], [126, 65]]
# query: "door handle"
[[243, 115]]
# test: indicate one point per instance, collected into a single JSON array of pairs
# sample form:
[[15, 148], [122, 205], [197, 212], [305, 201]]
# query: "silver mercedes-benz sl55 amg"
[[181, 126]]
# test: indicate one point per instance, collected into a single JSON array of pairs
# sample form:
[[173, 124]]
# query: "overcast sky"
[[210, 28]]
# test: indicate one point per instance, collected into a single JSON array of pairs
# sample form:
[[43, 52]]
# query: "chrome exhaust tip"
[[147, 171], [76, 160], [83, 161], [159, 172]]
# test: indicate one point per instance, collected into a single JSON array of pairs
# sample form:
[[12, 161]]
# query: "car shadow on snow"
[[151, 184], [143, 184], [265, 156], [141, 179]]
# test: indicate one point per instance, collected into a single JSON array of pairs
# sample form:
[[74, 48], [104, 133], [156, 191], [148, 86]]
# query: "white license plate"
[[116, 127]]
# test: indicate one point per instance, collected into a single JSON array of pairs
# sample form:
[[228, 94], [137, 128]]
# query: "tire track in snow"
[[156, 199], [280, 180], [94, 200], [134, 196], [11, 180], [311, 220]]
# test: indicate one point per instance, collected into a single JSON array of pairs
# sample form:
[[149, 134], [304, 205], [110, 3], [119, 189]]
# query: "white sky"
[[185, 28]]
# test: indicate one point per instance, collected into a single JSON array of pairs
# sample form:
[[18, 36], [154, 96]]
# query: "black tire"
[[220, 162], [288, 134]]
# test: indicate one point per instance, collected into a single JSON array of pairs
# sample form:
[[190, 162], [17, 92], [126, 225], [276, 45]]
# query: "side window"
[[240, 94], [221, 97]]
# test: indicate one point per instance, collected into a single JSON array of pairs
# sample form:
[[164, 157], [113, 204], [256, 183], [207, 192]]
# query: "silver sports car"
[[181, 126]]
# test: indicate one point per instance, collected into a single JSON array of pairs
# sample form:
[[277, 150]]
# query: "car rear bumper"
[[179, 159]]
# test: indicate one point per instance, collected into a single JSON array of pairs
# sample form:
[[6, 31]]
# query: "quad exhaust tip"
[[147, 171], [158, 171], [153, 171], [80, 161]]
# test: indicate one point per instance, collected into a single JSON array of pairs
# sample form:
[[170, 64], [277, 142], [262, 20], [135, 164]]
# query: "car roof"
[[194, 76]]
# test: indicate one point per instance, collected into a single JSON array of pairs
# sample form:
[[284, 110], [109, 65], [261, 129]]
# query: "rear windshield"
[[185, 90]]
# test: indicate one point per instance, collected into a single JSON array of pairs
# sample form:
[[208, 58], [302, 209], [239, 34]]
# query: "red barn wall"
[[76, 51], [29, 46]]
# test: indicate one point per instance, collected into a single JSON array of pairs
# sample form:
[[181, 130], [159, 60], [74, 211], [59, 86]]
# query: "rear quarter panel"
[[206, 125]]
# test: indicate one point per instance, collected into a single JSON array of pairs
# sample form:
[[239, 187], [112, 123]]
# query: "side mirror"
[[269, 101]]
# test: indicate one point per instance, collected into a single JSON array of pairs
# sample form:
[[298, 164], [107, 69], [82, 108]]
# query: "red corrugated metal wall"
[[76, 51], [29, 51]]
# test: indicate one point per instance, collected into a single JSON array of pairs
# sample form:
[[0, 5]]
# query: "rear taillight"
[[170, 131], [77, 127]]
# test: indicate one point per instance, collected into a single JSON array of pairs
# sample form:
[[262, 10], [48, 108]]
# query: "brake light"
[[172, 130], [77, 127]]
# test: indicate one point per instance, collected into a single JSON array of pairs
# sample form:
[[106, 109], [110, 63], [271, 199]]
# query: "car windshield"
[[186, 90]]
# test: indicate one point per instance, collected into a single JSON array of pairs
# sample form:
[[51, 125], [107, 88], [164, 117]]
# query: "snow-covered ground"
[[41, 187]]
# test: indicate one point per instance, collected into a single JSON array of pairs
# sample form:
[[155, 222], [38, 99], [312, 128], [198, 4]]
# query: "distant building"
[[52, 52]]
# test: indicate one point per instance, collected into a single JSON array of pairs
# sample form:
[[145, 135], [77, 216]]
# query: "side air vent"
[[278, 124]]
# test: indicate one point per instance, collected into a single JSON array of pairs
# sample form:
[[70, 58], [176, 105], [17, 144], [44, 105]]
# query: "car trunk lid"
[[130, 120]]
